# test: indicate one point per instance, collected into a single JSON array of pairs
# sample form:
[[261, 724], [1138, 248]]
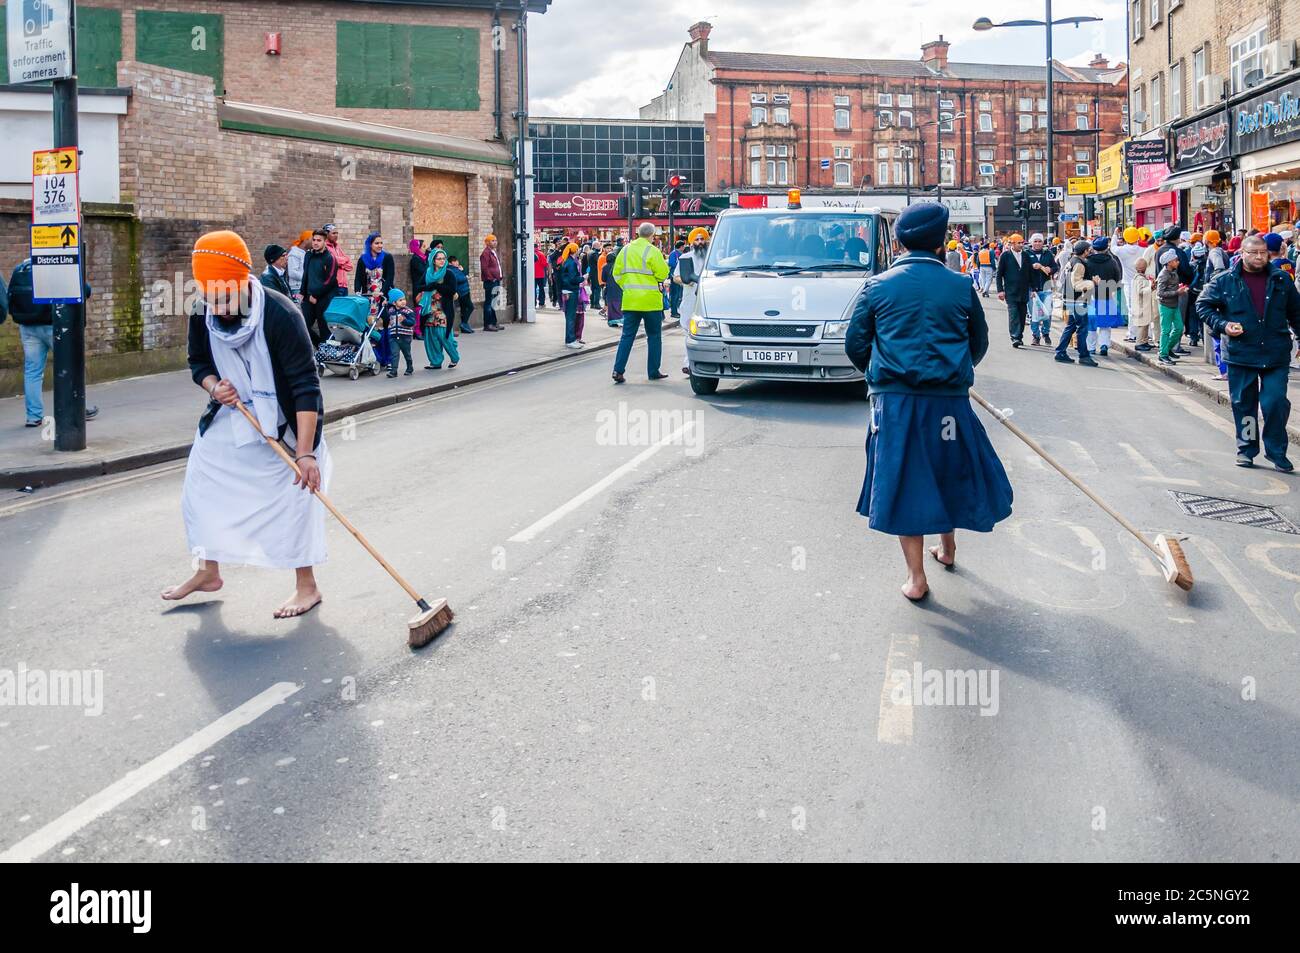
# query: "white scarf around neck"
[[243, 358]]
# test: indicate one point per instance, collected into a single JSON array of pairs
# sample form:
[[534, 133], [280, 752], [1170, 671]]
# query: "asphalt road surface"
[[675, 640]]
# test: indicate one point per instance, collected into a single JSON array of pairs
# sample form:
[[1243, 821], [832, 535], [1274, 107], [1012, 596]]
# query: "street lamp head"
[[983, 24]]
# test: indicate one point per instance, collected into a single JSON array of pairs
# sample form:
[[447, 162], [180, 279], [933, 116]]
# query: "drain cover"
[[1234, 511]]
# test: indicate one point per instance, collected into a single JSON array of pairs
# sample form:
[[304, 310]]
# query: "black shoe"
[[409, 372], [657, 377], [32, 423], [619, 378], [1244, 461], [1047, 339], [92, 413], [466, 329], [1089, 362], [393, 373], [1283, 466], [1168, 362], [1035, 342], [1145, 347], [1017, 343], [1064, 359], [1104, 350], [1180, 352]]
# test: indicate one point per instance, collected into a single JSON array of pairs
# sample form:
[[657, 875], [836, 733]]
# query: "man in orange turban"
[[489, 266], [690, 264], [240, 502]]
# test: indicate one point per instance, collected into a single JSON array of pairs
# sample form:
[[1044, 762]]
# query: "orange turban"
[[1017, 237], [569, 249], [489, 238], [220, 259], [699, 231], [304, 238], [1196, 237], [1212, 237]]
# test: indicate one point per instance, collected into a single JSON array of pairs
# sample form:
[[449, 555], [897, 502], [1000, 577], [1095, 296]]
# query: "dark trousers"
[[1193, 320], [489, 303], [595, 296], [1076, 323], [1017, 309], [540, 291], [570, 317], [675, 299], [466, 305], [401, 348], [1256, 389], [314, 315], [654, 325]]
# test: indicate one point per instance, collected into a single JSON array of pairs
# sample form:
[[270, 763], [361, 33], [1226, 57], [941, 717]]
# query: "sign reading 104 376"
[[39, 34]]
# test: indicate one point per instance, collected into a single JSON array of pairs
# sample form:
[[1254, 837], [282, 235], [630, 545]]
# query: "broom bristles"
[[1174, 562], [428, 625]]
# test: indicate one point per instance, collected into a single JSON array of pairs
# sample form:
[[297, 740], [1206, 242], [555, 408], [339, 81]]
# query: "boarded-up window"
[[191, 42], [441, 210], [398, 66], [99, 46]]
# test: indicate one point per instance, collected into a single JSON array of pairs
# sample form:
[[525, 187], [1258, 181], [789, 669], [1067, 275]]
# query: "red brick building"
[[827, 122]]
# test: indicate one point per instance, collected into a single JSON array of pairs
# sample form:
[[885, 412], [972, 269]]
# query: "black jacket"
[[1014, 280], [918, 329], [293, 362], [319, 271], [570, 275], [1265, 340], [276, 282], [1037, 279], [418, 267]]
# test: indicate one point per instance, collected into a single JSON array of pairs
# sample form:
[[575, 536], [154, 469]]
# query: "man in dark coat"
[[1042, 266], [1257, 308], [276, 275], [319, 285], [1014, 285]]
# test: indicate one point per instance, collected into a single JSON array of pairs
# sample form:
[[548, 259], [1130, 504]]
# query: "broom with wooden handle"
[[433, 619], [1173, 563]]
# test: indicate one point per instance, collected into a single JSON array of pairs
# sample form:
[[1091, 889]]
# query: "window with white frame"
[[1024, 173], [1042, 105], [882, 152], [986, 168], [771, 172], [1038, 153], [945, 104], [1025, 154], [782, 151], [1082, 155], [841, 100], [945, 122], [1082, 168], [846, 152], [758, 97], [1155, 11], [1246, 55], [755, 169], [780, 99], [904, 100], [1157, 100], [1026, 104], [771, 151], [757, 115], [1040, 173], [947, 166], [781, 115], [986, 155], [986, 122], [841, 119], [884, 119], [1176, 90], [986, 181], [782, 172], [905, 119], [900, 176], [1137, 108], [882, 173], [1042, 121], [1080, 122], [1198, 67], [884, 99], [986, 106], [1138, 25], [1081, 107], [1026, 122], [844, 173]]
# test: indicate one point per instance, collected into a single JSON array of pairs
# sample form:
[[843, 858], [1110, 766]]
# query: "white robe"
[[241, 506]]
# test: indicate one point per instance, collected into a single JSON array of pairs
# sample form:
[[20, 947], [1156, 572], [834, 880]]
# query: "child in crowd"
[[1168, 289], [464, 304], [1144, 314], [399, 320]]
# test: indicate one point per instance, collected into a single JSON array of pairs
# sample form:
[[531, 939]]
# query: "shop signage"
[[1204, 141], [1149, 178], [1268, 120], [1110, 169], [1081, 185], [696, 205], [552, 207], [1145, 152]]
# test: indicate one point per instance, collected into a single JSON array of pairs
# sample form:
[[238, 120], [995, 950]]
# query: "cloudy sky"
[[609, 59]]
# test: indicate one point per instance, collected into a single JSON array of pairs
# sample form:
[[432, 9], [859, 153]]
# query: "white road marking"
[[135, 781], [1256, 603], [1149, 471], [894, 724], [557, 514], [1194, 407]]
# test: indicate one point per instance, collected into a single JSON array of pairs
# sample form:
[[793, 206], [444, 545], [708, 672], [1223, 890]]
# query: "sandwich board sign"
[[39, 40], [56, 227]]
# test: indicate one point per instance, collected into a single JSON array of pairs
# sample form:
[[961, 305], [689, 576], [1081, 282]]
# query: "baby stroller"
[[352, 335]]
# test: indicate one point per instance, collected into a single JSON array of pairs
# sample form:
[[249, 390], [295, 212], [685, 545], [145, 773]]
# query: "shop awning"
[[1188, 180]]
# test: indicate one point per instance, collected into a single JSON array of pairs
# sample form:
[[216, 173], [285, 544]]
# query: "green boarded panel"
[[4, 44], [99, 45], [397, 66], [183, 41], [458, 245]]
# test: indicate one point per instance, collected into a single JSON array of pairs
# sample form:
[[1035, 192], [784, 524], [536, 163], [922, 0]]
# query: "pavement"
[[151, 419], [675, 640]]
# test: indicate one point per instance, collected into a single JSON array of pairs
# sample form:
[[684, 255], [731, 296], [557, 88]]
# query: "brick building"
[[828, 122], [1197, 68], [377, 116]]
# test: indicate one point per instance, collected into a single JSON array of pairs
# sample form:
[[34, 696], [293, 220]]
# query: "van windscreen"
[[830, 239]]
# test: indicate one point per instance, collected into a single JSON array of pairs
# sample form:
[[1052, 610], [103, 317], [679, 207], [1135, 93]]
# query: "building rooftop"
[[904, 69]]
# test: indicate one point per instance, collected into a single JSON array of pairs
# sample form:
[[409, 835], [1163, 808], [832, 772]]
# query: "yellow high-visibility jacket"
[[639, 270]]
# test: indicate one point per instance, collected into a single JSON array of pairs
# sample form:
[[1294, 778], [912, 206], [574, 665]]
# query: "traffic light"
[[1020, 203], [673, 188]]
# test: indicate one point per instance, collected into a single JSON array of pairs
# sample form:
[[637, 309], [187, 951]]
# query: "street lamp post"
[[984, 23], [907, 153], [938, 146]]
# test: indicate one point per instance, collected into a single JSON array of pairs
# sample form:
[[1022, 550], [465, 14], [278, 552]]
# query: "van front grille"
[[772, 330]]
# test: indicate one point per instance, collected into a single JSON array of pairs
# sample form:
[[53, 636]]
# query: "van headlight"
[[835, 330], [705, 327]]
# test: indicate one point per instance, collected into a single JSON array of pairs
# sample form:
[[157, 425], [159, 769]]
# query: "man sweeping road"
[[241, 503]]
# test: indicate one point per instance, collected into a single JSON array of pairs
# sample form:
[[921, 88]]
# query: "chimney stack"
[[1099, 62], [935, 54], [700, 34]]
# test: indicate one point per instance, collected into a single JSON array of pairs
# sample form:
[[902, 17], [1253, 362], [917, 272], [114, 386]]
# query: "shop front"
[[1114, 202], [1154, 207], [602, 215], [1267, 138], [1202, 173]]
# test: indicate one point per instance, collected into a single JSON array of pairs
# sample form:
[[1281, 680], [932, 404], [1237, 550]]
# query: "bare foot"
[[300, 603], [939, 555], [915, 590], [205, 580]]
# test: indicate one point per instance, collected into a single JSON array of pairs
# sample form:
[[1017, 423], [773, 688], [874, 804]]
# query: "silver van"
[[777, 292]]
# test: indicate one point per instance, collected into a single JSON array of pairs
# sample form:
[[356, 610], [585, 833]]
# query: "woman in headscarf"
[[433, 319], [419, 265], [374, 280], [1106, 307], [570, 285], [917, 332]]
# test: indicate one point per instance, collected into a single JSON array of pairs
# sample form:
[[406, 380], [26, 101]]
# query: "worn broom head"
[[1174, 563], [430, 623]]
